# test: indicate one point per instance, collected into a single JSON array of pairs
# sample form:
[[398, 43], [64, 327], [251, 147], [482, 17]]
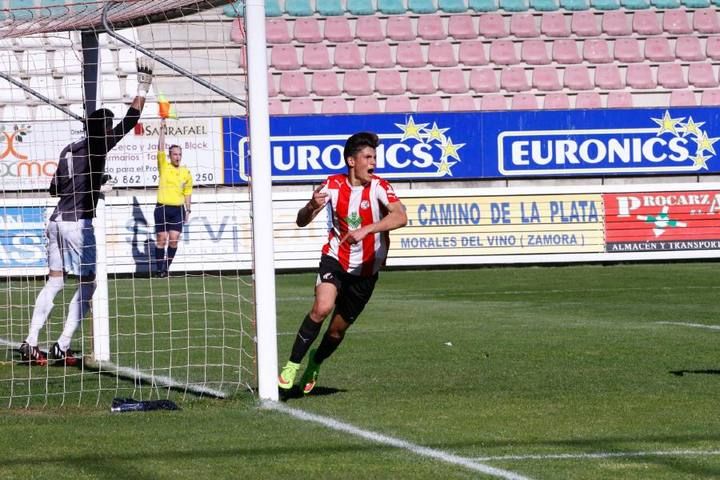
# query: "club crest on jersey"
[[354, 221], [364, 205]]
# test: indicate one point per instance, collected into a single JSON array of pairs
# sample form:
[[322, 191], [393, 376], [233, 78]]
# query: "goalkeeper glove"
[[144, 76]]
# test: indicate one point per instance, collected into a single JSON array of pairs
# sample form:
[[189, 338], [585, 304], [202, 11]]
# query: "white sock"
[[43, 307], [79, 306]]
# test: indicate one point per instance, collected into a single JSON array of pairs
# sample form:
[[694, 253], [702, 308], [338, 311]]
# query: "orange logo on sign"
[[11, 138]]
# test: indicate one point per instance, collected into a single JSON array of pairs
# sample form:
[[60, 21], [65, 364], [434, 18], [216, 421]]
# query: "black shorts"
[[354, 291], [169, 217]]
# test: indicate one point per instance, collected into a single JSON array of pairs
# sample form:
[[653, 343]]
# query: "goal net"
[[190, 333]]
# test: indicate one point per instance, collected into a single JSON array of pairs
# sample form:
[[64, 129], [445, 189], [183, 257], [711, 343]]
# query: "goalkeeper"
[[71, 237]]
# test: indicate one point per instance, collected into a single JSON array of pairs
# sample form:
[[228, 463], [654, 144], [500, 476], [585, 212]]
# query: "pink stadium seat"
[[307, 30], [534, 52], [522, 25], [431, 27], [524, 101], [702, 75], [706, 21], [493, 102], [577, 77], [398, 103], [483, 80], [639, 76], [682, 98], [657, 49], [389, 82], [284, 57], [556, 101], [366, 105], [710, 97], [492, 25], [565, 51], [596, 50], [452, 80], [688, 48], [316, 56], [627, 50], [347, 56], [645, 22], [369, 29], [615, 23], [502, 52], [275, 107], [378, 55], [553, 24], [420, 82], [399, 28], [584, 24], [675, 21], [301, 106], [462, 103], [607, 77], [431, 103], [276, 31], [588, 100], [712, 48], [356, 83], [619, 100], [325, 84], [513, 79], [237, 31], [334, 105], [546, 79], [442, 54], [272, 89], [410, 55], [471, 53], [337, 29], [670, 75], [292, 84], [462, 27]]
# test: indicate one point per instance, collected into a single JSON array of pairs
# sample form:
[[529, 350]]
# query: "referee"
[[173, 202]]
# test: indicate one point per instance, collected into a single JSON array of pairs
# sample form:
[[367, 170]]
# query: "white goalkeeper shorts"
[[71, 247]]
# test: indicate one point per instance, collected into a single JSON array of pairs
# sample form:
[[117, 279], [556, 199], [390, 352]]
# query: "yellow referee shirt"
[[175, 183]]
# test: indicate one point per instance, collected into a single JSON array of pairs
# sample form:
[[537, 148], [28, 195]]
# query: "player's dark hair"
[[359, 141], [96, 122], [174, 146]]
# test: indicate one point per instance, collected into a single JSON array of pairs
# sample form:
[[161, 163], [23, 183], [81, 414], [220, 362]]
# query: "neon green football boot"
[[286, 379], [309, 378]]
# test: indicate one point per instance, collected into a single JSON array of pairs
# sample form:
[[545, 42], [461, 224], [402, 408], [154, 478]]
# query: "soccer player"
[[173, 202], [70, 232], [363, 209]]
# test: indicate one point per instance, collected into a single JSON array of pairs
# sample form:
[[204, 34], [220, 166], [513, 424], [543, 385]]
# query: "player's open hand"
[[144, 75]]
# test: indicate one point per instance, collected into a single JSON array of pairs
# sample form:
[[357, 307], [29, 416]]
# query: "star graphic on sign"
[[449, 149], [700, 161], [436, 133], [692, 128], [667, 124], [411, 130], [705, 144], [443, 167]]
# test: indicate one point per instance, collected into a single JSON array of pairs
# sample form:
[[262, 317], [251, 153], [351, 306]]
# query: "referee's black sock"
[[170, 256], [306, 335], [327, 347], [160, 259]]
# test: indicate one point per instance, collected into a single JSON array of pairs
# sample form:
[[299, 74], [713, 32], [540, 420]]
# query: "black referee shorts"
[[354, 291], [169, 217]]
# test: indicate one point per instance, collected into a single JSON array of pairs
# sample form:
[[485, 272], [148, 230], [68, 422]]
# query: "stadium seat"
[[46, 85], [502, 52], [670, 75], [666, 4], [10, 93], [492, 25], [577, 77], [378, 55], [483, 80], [657, 49], [676, 22], [640, 76], [646, 23], [307, 30], [514, 79], [712, 48], [702, 75], [391, 7], [688, 48], [276, 31], [565, 51], [334, 105], [534, 52], [398, 103], [462, 27], [607, 77], [430, 103], [635, 4], [615, 23], [301, 106], [546, 79], [330, 8], [360, 7], [483, 5], [696, 3], [422, 6], [71, 88], [574, 4], [356, 83], [710, 97], [298, 8], [452, 80], [606, 5], [325, 84], [493, 102], [556, 101], [462, 103], [453, 6], [366, 105], [399, 29], [389, 82], [337, 30], [514, 5], [292, 84], [347, 56], [284, 57], [316, 56], [369, 29], [524, 101], [410, 55], [553, 24], [682, 98], [65, 61], [442, 54], [272, 8], [706, 21], [275, 107], [420, 82], [544, 5], [619, 99], [627, 50], [431, 27], [472, 53], [523, 25], [596, 50], [272, 88], [237, 31], [584, 24], [588, 100]]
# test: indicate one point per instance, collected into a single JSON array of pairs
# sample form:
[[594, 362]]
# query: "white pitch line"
[[694, 325], [395, 442], [587, 456]]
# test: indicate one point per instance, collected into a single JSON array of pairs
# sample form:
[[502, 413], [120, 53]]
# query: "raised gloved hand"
[[144, 75]]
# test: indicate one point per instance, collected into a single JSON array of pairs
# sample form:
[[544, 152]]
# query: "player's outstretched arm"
[[144, 78]]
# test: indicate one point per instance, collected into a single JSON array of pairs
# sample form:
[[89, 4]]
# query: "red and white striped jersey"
[[351, 208]]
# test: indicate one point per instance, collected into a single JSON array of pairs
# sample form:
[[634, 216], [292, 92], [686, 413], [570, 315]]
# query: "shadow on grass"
[[680, 373], [296, 392]]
